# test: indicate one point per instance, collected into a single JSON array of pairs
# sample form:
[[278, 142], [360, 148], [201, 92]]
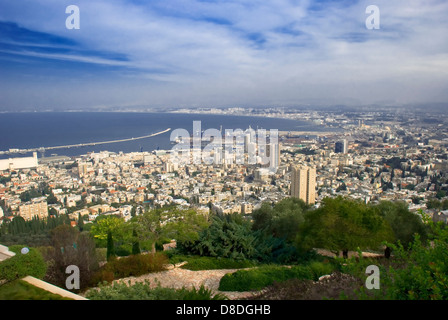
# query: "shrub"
[[321, 268], [22, 265], [131, 266], [22, 290], [338, 286], [143, 291], [259, 278]]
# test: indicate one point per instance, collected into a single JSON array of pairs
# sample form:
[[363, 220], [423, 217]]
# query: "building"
[[303, 183], [341, 146], [274, 156], [262, 175], [19, 163], [35, 207]]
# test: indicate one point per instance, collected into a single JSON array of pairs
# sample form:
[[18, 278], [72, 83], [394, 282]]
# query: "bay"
[[46, 129]]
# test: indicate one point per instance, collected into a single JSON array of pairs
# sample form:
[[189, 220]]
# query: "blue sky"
[[196, 53]]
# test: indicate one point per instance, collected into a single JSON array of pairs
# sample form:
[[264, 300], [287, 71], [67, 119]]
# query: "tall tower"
[[274, 155], [341, 146], [303, 183]]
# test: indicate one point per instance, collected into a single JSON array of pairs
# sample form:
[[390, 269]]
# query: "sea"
[[48, 129]]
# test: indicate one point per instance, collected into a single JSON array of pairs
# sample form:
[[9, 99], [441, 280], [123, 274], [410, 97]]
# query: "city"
[[388, 159], [257, 153]]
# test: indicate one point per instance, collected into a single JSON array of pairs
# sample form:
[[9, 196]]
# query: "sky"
[[205, 53]]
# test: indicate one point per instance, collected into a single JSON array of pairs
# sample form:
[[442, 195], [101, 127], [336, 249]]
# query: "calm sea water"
[[34, 130]]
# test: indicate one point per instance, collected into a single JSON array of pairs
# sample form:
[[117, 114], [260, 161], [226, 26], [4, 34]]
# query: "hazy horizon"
[[204, 53]]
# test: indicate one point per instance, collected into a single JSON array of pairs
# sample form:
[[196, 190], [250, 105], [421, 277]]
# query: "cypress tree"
[[136, 244], [80, 222], [110, 246]]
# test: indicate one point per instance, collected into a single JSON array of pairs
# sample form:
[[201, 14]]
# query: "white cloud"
[[261, 52]]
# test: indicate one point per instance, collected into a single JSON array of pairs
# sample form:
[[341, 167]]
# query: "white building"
[[19, 163]]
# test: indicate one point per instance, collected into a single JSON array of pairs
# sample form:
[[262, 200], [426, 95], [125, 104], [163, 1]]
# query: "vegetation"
[[285, 233], [131, 266], [342, 224], [22, 290], [196, 263], [259, 278], [143, 291], [70, 247], [21, 265]]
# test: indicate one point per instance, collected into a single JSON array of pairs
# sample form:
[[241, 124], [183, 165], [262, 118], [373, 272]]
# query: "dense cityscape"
[[377, 156]]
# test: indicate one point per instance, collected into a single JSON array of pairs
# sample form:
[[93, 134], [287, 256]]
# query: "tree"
[[110, 246], [108, 229], [229, 237], [282, 220], [420, 272], [51, 199], [343, 224], [17, 225], [405, 224], [80, 222], [105, 225], [135, 243], [158, 224], [433, 203], [70, 247]]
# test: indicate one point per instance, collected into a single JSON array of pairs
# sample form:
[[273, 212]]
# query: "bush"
[[131, 266], [321, 268], [22, 290], [338, 286], [22, 265], [259, 278], [143, 291]]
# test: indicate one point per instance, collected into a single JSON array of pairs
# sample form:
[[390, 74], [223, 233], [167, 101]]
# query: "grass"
[[261, 277], [22, 290], [143, 291]]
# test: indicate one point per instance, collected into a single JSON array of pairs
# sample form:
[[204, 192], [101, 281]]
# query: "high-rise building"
[[274, 156], [303, 183], [340, 146]]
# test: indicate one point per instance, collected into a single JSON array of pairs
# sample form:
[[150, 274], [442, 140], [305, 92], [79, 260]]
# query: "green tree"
[[110, 246], [105, 224], [136, 243], [158, 224], [343, 224], [80, 222], [404, 223], [433, 203], [420, 271], [51, 199], [228, 236], [282, 220]]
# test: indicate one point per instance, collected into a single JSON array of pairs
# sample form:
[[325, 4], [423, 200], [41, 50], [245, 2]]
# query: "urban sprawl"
[[373, 156]]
